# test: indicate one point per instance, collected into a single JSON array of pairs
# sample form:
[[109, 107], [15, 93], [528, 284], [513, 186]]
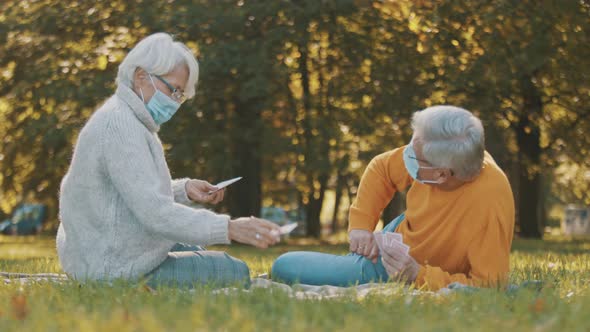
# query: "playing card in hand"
[[379, 239], [400, 245], [394, 240]]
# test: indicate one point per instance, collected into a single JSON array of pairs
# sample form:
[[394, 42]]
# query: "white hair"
[[159, 54], [451, 137]]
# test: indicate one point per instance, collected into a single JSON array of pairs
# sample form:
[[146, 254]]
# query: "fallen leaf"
[[19, 306], [149, 289], [537, 306]]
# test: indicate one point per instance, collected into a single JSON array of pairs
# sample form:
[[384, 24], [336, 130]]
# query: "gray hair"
[[159, 54], [451, 137]]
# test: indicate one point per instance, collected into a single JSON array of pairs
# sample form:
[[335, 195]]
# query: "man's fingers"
[[367, 249], [353, 245], [374, 253], [386, 258]]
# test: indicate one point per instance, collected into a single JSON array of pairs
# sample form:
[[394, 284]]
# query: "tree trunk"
[[338, 192], [246, 197], [314, 207], [528, 138]]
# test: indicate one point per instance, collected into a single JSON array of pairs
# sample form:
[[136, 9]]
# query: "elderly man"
[[459, 220]]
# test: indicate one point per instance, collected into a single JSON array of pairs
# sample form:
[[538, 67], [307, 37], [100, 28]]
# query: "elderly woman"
[[122, 216], [459, 220]]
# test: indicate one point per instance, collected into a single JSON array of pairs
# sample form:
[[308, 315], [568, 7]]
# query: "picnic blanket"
[[297, 291]]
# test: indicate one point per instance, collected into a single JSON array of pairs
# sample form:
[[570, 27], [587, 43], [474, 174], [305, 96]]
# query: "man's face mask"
[[413, 166], [160, 106]]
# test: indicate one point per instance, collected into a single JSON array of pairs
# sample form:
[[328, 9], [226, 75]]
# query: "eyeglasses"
[[422, 160], [177, 94], [425, 162], [428, 167]]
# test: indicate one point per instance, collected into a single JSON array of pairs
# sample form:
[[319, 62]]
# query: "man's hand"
[[198, 191], [363, 243], [399, 265]]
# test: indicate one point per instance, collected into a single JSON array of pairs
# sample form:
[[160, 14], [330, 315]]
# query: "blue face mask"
[[160, 106], [413, 166]]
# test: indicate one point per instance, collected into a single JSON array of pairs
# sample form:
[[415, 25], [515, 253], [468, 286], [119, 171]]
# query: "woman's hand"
[[254, 231], [198, 191], [399, 265], [363, 243]]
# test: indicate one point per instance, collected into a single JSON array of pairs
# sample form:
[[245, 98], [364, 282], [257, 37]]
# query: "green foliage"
[[297, 96]]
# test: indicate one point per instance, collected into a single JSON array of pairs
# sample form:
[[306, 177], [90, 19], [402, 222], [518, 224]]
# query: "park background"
[[297, 96]]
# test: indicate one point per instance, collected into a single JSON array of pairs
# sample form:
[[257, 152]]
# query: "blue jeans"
[[187, 266], [315, 268]]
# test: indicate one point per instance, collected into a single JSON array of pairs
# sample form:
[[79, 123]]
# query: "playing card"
[[379, 240], [396, 236], [392, 237], [288, 228], [388, 239], [224, 184], [398, 245], [285, 229]]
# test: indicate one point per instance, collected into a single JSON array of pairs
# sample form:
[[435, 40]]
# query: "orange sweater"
[[462, 235]]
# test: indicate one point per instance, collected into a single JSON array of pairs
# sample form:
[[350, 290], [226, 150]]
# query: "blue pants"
[[187, 266], [315, 268]]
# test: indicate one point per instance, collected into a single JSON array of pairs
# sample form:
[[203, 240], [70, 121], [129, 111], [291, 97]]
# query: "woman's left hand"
[[198, 191], [399, 265]]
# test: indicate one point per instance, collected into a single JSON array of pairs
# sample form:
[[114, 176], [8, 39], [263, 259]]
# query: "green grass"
[[563, 304]]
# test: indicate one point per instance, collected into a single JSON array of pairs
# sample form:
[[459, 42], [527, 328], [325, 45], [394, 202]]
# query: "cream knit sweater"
[[120, 211]]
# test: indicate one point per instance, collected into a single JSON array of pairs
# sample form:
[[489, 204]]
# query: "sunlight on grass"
[[563, 303]]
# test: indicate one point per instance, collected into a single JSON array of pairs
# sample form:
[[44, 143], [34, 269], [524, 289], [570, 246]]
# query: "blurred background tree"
[[297, 96]]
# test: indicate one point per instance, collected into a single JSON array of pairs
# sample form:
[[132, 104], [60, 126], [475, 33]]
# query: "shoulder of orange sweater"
[[391, 163], [490, 195], [493, 177]]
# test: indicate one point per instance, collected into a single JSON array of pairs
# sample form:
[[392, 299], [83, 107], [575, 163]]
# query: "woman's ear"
[[139, 77]]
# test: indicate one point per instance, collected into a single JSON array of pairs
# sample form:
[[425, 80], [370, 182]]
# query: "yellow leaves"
[[4, 107], [8, 71], [20, 310], [420, 48], [102, 62], [414, 23], [194, 47]]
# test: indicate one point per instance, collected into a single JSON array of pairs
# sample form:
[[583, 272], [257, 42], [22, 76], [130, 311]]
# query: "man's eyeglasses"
[[422, 160], [177, 94], [428, 167]]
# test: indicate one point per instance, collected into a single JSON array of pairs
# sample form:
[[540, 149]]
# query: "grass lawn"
[[563, 304]]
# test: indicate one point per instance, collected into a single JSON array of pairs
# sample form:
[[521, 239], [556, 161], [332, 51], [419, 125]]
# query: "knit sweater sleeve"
[[133, 172], [179, 190]]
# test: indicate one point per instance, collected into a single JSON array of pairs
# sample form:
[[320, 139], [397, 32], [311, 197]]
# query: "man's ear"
[[443, 174]]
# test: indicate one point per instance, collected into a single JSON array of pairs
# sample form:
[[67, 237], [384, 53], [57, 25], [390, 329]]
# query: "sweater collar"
[[137, 106]]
